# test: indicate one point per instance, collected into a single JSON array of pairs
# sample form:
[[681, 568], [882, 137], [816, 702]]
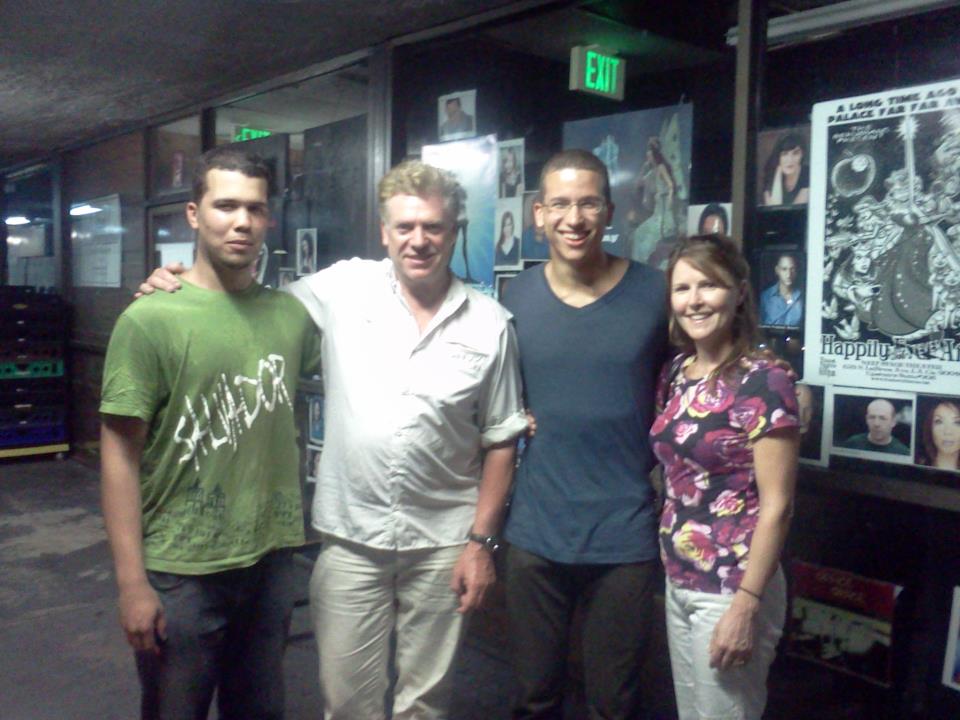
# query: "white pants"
[[358, 595], [703, 692]]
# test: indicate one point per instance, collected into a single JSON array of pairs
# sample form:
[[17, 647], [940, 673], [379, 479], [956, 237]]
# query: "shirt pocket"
[[449, 372]]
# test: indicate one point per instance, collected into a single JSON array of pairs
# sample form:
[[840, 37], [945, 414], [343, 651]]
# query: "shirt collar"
[[455, 298]]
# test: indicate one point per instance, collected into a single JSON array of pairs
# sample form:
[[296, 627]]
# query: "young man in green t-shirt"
[[200, 480]]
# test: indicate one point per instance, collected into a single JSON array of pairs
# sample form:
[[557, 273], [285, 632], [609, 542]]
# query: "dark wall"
[[521, 95]]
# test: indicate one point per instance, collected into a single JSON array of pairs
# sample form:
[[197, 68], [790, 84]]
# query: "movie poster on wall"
[[843, 621], [883, 276], [474, 163], [647, 154]]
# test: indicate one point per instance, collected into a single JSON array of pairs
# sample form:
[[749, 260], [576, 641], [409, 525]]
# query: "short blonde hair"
[[413, 177]]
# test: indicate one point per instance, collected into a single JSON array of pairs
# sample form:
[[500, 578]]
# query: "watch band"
[[491, 543]]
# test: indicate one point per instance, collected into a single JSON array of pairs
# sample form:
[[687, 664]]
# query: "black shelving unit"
[[33, 379]]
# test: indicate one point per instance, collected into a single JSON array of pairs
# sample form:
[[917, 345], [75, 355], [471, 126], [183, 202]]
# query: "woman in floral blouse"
[[727, 436]]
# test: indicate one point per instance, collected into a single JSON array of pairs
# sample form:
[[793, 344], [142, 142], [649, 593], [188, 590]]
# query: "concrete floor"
[[62, 654], [63, 657]]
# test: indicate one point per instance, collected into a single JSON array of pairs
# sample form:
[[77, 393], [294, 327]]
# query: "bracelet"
[[749, 592]]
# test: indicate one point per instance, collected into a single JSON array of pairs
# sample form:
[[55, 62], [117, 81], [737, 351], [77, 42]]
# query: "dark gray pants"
[[617, 605], [225, 631]]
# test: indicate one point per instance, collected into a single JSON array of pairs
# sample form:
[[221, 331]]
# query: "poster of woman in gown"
[[647, 154]]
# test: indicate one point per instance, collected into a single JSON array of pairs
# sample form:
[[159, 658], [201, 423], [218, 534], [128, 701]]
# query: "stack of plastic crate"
[[33, 387]]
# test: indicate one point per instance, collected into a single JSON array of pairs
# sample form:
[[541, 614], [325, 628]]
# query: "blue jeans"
[[225, 631]]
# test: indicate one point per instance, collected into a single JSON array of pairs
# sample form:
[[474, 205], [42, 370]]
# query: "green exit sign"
[[597, 71], [241, 133]]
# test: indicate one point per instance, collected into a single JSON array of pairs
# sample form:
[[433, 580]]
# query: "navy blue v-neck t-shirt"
[[582, 491]]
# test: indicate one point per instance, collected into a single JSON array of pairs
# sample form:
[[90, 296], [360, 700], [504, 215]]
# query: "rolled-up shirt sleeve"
[[501, 416]]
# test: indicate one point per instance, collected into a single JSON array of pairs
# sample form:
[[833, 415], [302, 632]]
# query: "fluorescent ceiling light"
[[17, 220], [85, 209], [828, 19]]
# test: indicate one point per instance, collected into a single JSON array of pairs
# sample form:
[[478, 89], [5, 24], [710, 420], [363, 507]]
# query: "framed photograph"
[[783, 167], [502, 280], [872, 424], [314, 454], [535, 245], [937, 438], [315, 408], [511, 168], [710, 219], [780, 295], [506, 244], [285, 276], [842, 621], [456, 115], [813, 444], [306, 251], [951, 659]]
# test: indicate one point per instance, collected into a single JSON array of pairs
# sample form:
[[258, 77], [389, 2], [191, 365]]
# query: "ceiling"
[[75, 71], [72, 72]]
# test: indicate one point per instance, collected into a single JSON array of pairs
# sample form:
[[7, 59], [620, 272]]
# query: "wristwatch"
[[490, 543]]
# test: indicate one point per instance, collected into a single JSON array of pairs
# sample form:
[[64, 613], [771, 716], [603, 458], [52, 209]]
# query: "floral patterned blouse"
[[704, 439]]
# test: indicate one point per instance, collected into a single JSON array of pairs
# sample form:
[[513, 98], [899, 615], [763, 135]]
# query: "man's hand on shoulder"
[[162, 278], [473, 576]]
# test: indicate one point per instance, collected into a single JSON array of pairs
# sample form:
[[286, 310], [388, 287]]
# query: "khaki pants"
[[358, 596]]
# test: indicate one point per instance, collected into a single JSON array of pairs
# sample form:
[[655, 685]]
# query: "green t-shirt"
[[214, 375]]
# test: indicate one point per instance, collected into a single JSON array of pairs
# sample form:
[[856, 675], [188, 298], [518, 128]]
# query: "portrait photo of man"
[[881, 417], [456, 115], [781, 302]]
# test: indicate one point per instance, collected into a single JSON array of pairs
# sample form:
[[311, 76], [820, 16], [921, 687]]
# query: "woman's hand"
[[732, 642]]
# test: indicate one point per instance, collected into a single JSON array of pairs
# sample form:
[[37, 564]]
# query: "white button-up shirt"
[[407, 414]]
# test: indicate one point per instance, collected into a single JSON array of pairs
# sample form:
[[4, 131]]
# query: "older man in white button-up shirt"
[[423, 405]]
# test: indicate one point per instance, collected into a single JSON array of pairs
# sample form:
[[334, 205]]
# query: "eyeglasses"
[[587, 206]]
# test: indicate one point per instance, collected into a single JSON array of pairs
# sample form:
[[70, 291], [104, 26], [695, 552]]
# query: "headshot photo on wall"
[[535, 245], [779, 292], [315, 409], [456, 113], [810, 404], [783, 166], [502, 280], [937, 441], [306, 251], [506, 246], [285, 276], [873, 424], [709, 219], [511, 168], [313, 462]]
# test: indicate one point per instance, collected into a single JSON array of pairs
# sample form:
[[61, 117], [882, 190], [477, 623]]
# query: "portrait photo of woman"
[[511, 170], [506, 253], [938, 441], [786, 173], [306, 251]]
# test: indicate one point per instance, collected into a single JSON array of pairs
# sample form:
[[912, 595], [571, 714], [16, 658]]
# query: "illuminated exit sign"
[[597, 71], [240, 133]]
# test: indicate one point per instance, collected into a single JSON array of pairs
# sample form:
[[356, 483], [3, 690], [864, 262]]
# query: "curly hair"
[[413, 177]]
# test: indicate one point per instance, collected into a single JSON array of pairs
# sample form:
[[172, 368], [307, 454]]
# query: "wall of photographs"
[[861, 299], [869, 590]]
